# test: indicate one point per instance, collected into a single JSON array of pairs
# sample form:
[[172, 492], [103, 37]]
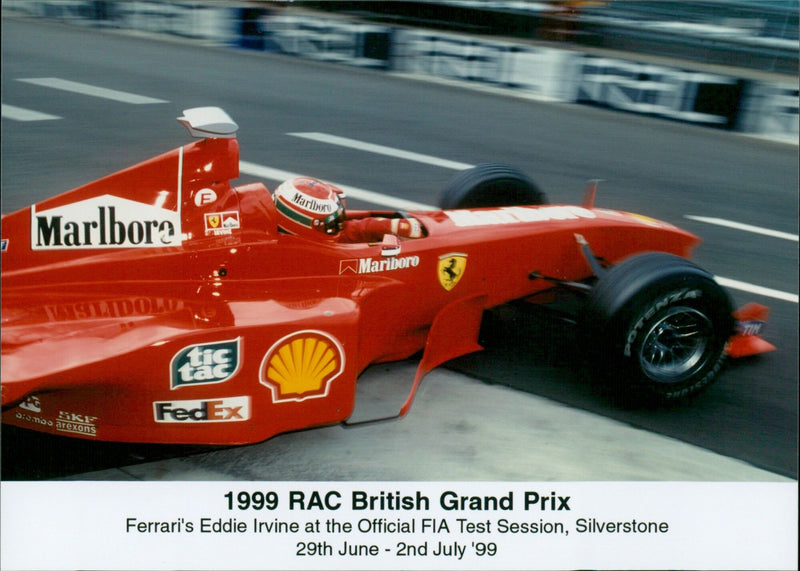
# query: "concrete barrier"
[[763, 108]]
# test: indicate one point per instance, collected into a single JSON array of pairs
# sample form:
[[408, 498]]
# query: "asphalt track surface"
[[520, 410]]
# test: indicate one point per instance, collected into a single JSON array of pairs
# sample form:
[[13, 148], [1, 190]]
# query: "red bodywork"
[[160, 304]]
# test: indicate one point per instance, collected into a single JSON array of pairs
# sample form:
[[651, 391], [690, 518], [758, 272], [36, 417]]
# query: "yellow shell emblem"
[[302, 365]]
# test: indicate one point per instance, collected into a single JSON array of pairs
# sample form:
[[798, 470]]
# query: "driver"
[[314, 209]]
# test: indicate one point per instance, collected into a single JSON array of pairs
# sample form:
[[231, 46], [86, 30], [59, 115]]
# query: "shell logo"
[[302, 365]]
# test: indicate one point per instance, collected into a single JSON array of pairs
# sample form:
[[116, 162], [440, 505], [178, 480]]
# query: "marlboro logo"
[[104, 222]]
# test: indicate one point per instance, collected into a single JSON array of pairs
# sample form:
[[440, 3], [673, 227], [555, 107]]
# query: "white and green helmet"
[[308, 207]]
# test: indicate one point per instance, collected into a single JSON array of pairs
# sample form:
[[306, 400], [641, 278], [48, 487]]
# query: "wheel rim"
[[676, 345]]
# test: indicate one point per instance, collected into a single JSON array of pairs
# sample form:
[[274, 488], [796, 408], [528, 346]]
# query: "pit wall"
[[732, 101]]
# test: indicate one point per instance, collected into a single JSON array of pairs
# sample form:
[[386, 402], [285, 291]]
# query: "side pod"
[[454, 333]]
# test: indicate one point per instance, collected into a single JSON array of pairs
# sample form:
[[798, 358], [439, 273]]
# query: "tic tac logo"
[[104, 222], [301, 366], [205, 363], [451, 268], [231, 409]]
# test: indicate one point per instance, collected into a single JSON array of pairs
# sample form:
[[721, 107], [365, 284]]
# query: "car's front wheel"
[[657, 325]]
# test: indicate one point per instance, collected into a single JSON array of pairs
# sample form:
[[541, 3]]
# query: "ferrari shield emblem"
[[451, 268], [213, 220]]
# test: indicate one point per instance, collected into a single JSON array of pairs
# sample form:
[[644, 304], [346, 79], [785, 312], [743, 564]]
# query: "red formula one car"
[[162, 304]]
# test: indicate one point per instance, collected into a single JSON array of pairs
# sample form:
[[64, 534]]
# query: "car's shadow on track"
[[29, 455], [527, 350], [532, 352]]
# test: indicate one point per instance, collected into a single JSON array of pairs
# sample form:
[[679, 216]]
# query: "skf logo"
[[76, 423], [205, 363], [451, 269], [301, 366], [232, 409]]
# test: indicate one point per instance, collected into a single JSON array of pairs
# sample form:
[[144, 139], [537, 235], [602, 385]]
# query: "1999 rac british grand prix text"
[[313, 524]]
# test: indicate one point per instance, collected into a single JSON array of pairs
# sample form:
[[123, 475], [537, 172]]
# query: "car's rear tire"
[[490, 184], [656, 325]]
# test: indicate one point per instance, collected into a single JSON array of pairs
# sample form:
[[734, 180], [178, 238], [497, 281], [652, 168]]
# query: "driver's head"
[[309, 207]]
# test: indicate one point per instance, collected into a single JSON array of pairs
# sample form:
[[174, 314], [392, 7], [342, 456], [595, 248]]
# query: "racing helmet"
[[309, 207]]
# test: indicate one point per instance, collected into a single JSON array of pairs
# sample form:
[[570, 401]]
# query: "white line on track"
[[382, 150], [91, 90], [743, 227], [20, 114], [756, 289]]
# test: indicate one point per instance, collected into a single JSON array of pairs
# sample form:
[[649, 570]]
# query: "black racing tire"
[[656, 326], [490, 184]]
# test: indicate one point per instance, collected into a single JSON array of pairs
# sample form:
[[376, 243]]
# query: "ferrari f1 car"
[[162, 304]]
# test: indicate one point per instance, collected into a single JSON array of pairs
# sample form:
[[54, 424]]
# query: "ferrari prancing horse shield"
[[451, 269]]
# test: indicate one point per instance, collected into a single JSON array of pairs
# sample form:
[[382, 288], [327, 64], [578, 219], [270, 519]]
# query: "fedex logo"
[[231, 409]]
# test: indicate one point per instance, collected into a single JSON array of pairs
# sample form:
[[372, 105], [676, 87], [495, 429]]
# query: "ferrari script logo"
[[301, 366], [451, 269]]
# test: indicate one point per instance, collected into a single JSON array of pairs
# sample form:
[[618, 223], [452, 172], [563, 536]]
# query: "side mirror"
[[205, 122]]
